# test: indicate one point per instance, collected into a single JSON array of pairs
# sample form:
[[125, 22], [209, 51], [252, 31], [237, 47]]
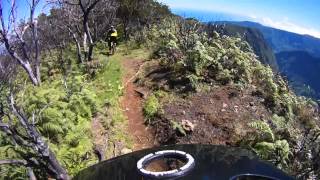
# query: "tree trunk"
[[89, 41], [85, 46], [58, 171], [78, 46], [36, 42], [31, 174], [27, 67], [25, 64], [90, 52], [79, 52]]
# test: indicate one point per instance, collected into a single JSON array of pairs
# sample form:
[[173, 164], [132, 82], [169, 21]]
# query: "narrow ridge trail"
[[132, 103]]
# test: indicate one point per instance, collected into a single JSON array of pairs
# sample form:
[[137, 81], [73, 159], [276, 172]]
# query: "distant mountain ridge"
[[281, 40], [302, 70]]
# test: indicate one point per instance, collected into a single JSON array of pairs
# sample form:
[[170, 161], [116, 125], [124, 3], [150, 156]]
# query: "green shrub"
[[194, 58], [178, 127], [263, 131], [151, 107], [267, 146], [191, 54], [63, 115], [277, 152]]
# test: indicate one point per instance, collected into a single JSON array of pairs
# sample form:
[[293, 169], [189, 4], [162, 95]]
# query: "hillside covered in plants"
[[60, 92], [64, 101], [211, 88]]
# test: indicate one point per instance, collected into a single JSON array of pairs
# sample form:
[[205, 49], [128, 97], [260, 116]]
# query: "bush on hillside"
[[151, 107], [63, 114], [199, 60], [193, 56]]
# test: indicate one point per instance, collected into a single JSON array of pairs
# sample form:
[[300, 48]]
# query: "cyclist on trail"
[[112, 38]]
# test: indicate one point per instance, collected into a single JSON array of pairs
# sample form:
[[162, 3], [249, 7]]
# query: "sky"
[[23, 9], [299, 16]]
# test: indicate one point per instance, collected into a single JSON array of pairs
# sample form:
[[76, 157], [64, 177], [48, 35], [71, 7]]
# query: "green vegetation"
[[109, 88], [64, 109], [198, 60], [60, 105], [267, 147], [178, 127], [56, 82], [254, 37], [151, 107], [263, 129]]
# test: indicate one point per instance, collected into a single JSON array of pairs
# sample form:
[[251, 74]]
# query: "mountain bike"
[[113, 48]]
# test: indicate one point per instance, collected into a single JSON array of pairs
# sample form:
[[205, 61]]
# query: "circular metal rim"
[[166, 174]]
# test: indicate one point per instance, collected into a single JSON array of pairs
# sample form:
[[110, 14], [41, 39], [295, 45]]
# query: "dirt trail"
[[132, 106]]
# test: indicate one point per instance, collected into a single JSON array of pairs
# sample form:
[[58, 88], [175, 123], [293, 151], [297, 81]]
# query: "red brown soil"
[[132, 104], [220, 116]]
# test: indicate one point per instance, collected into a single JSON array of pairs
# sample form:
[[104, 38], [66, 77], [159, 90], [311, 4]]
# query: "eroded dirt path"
[[132, 103]]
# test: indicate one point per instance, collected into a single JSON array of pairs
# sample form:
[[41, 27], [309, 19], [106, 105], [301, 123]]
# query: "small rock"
[[127, 109], [236, 108], [143, 94], [166, 87], [224, 105], [187, 125], [223, 110], [251, 103], [211, 101], [183, 112], [126, 151]]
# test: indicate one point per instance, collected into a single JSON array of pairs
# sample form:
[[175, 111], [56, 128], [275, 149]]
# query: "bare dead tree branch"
[[27, 136], [25, 59]]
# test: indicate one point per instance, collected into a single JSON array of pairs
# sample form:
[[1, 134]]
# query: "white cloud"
[[252, 16], [286, 25]]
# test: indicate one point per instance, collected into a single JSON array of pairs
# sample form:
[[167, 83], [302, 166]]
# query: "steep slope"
[[211, 88], [302, 70], [286, 41], [256, 40]]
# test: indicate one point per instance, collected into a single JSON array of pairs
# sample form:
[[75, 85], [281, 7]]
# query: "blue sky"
[[23, 8], [299, 16]]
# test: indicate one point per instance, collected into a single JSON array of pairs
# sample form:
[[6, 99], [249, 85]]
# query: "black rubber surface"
[[212, 163]]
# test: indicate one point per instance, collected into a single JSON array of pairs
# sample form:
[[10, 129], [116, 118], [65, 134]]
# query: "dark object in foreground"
[[211, 162]]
